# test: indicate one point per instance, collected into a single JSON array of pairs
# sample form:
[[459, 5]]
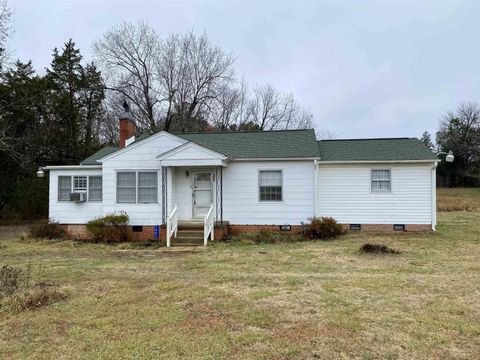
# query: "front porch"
[[192, 193], [193, 203]]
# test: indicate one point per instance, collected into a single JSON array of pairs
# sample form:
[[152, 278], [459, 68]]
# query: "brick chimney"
[[127, 126]]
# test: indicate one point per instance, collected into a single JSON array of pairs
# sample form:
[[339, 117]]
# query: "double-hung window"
[[137, 187], [78, 184], [64, 188], [126, 187], [147, 187], [270, 185], [95, 188], [381, 180]]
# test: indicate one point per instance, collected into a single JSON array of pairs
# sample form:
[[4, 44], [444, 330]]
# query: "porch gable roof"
[[192, 154]]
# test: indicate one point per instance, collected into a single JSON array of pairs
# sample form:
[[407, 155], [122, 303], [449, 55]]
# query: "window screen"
[[95, 188], [270, 185], [64, 188], [381, 180], [147, 187], [126, 187], [79, 183]]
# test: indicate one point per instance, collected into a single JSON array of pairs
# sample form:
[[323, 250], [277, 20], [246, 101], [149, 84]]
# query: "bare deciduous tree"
[[127, 55], [112, 110], [185, 83], [193, 74], [271, 110], [231, 108], [5, 28], [325, 135]]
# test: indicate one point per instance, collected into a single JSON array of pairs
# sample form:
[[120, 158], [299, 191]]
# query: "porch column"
[[164, 195], [219, 193]]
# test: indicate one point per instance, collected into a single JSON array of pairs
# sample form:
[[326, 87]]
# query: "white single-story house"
[[242, 181]]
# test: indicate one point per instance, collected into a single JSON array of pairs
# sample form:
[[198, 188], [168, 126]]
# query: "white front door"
[[202, 193]]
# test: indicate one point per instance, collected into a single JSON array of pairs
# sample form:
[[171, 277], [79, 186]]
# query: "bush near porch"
[[110, 228]]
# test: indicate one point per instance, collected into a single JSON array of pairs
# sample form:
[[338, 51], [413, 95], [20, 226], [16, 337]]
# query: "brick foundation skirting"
[[389, 227], [238, 229], [79, 231]]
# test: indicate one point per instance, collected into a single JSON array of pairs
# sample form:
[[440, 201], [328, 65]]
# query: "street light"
[[449, 157], [40, 172]]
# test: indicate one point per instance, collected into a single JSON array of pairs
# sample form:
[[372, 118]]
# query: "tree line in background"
[[460, 133], [184, 83], [179, 83]]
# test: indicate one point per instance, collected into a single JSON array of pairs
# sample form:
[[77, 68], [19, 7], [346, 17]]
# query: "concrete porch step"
[[190, 232], [190, 223], [187, 241]]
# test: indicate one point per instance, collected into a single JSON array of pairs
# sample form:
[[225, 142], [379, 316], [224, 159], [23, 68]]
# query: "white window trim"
[[381, 191], [159, 182], [258, 186]]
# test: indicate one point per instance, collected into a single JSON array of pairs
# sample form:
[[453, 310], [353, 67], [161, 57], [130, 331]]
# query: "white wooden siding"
[[344, 192], [69, 212], [140, 157], [241, 203]]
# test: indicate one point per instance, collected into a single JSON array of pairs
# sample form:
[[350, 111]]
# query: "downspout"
[[315, 184], [221, 195], [434, 196]]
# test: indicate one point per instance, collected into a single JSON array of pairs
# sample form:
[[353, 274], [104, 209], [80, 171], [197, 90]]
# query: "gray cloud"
[[363, 68]]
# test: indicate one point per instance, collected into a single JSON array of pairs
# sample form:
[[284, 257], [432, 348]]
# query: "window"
[[398, 227], [381, 180], [79, 183], [355, 227], [64, 188], [95, 188], [270, 185], [147, 187], [141, 187], [126, 187]]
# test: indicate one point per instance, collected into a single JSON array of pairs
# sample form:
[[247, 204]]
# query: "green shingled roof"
[[92, 159], [296, 144], [259, 144], [374, 150]]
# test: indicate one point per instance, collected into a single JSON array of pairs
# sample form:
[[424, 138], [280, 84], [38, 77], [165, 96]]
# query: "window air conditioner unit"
[[78, 197]]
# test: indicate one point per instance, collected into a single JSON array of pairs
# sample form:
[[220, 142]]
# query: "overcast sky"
[[362, 68]]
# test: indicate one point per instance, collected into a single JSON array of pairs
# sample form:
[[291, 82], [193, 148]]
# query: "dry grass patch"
[[302, 300], [458, 199], [36, 297]]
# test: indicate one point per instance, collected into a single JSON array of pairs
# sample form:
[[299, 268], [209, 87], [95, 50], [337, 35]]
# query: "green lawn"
[[300, 300]]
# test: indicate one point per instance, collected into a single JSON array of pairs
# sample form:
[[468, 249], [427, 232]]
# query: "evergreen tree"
[[22, 147], [51, 119], [76, 98], [91, 98], [426, 139]]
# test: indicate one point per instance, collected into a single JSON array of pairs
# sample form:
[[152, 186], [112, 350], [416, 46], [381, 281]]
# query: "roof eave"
[[72, 167], [377, 161], [277, 159]]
